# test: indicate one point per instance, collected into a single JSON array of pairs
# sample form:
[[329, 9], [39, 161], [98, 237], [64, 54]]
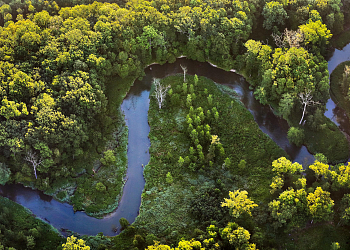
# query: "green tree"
[[296, 135], [108, 158], [169, 178], [124, 223], [4, 173], [100, 187], [274, 14]]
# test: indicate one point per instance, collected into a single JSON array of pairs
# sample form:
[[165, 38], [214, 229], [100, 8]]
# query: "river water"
[[135, 107]]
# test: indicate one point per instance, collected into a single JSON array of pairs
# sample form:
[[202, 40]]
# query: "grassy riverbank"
[[339, 88], [21, 230], [98, 189], [181, 196], [323, 137], [110, 167]]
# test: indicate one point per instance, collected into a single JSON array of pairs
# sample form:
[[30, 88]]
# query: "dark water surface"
[[135, 107]]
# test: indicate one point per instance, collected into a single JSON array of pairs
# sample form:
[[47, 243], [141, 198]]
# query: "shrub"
[[4, 173], [124, 223], [296, 136], [169, 178], [100, 187]]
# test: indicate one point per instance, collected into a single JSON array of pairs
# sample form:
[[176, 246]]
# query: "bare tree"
[[160, 91], [279, 40], [290, 37], [306, 100], [33, 158], [184, 68], [293, 38], [345, 84]]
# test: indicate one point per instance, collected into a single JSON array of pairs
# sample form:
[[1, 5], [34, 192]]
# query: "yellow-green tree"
[[239, 203], [74, 244], [320, 204]]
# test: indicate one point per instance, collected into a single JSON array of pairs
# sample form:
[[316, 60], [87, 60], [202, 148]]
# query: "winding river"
[[135, 107]]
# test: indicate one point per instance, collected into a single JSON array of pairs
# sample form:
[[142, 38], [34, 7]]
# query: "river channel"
[[135, 107]]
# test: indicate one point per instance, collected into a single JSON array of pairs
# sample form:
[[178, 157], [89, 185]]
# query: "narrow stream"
[[135, 107]]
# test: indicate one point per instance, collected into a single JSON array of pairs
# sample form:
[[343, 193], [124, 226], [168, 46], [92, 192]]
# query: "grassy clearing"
[[317, 237], [21, 230], [170, 206]]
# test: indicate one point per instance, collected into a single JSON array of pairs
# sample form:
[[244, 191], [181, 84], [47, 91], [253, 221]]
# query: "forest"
[[214, 179]]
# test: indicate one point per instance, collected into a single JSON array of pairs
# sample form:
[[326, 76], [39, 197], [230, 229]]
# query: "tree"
[[160, 91], [74, 244], [124, 223], [284, 166], [169, 178], [157, 246], [237, 236], [109, 158], [306, 100], [273, 13], [33, 159], [316, 34], [239, 203], [100, 187], [4, 173], [286, 105], [320, 169], [289, 203], [184, 69], [320, 204], [296, 136]]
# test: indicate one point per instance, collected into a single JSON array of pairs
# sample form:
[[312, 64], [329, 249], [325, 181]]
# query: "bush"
[[296, 136], [169, 178], [124, 223], [4, 173], [100, 187]]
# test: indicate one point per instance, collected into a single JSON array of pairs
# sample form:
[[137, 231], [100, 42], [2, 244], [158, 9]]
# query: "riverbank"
[[171, 204], [339, 87], [21, 230], [98, 190]]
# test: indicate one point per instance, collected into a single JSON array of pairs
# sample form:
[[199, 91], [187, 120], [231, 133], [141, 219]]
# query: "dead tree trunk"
[[184, 68], [306, 100], [33, 159], [160, 91]]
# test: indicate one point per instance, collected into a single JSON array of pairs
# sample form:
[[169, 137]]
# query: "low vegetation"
[[20, 230], [201, 148]]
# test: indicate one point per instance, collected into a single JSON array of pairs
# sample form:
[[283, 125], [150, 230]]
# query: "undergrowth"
[[240, 159]]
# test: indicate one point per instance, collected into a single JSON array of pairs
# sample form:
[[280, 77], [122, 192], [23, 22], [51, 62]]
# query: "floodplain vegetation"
[[214, 181]]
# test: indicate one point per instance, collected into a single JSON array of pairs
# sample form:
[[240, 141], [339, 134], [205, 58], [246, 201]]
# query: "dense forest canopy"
[[56, 59], [54, 62]]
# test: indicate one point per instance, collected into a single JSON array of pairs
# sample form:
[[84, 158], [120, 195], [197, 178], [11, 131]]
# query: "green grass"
[[322, 136], [166, 207], [18, 223], [317, 237]]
